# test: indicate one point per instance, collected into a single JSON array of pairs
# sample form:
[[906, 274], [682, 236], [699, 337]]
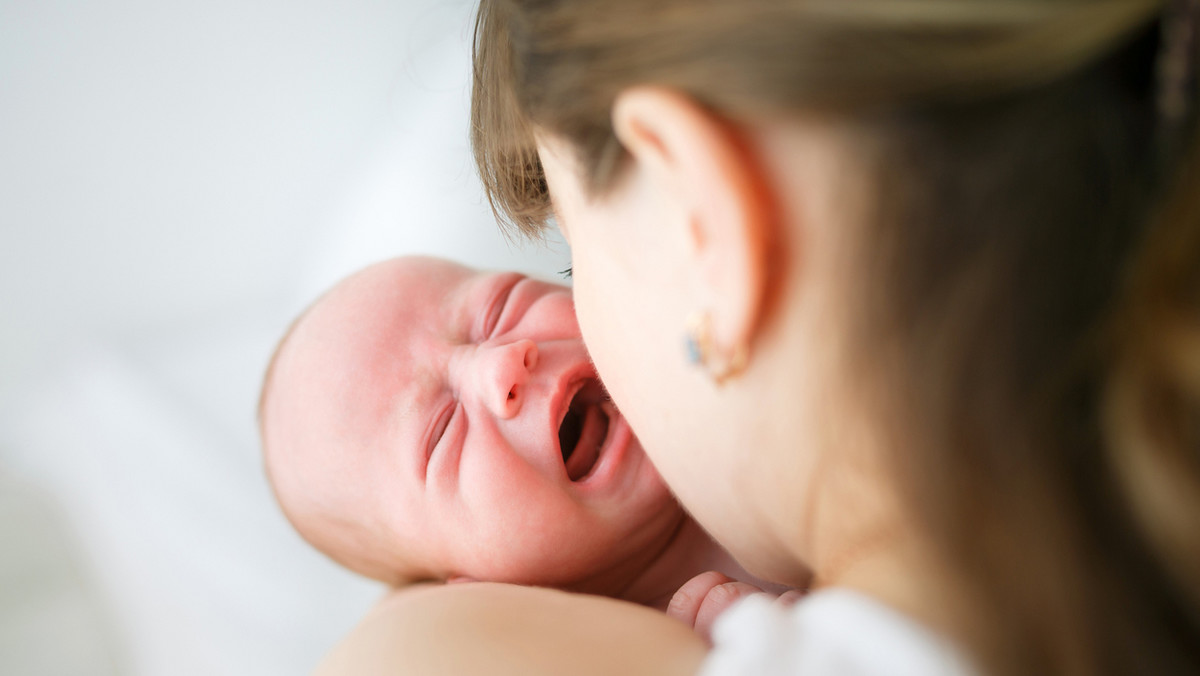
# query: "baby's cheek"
[[562, 307], [540, 549], [506, 500], [551, 317]]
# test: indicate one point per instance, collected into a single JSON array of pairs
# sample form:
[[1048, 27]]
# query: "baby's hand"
[[701, 599]]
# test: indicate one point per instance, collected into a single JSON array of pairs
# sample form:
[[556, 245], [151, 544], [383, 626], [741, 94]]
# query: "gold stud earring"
[[702, 350]]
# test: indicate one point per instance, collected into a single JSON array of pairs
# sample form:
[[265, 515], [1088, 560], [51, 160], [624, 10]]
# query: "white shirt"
[[833, 631]]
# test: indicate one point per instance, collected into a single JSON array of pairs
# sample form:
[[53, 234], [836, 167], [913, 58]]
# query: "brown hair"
[[1033, 255]]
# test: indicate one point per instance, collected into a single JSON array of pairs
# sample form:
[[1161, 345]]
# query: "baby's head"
[[423, 420]]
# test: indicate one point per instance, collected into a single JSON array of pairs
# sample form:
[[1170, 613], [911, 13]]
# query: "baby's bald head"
[[301, 461], [417, 423]]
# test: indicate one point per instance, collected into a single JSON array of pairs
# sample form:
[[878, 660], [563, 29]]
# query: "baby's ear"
[[455, 579]]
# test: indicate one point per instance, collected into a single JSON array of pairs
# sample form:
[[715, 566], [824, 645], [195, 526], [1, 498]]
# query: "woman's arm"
[[486, 628]]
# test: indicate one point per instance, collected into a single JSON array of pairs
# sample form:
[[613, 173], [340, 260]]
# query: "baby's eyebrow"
[[467, 304], [494, 304]]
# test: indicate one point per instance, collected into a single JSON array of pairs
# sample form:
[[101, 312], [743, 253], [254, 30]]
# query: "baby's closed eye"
[[445, 416]]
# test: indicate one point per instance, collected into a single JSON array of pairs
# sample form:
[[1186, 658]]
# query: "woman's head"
[[937, 226], [645, 270]]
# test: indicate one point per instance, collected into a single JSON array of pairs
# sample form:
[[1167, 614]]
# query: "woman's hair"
[[1028, 276]]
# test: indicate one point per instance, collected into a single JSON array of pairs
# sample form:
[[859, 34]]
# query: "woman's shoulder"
[[500, 629], [833, 631]]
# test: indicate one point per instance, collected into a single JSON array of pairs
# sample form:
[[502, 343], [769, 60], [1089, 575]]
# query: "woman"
[[938, 269]]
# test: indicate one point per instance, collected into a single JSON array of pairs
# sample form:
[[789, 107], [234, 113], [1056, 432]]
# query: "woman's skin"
[[752, 224], [498, 629]]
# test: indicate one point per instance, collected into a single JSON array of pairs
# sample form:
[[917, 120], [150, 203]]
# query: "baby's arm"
[[701, 599]]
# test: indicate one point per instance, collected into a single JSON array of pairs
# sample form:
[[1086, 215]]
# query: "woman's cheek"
[[611, 342], [597, 327]]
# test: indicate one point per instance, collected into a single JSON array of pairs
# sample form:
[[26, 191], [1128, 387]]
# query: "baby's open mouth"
[[583, 430]]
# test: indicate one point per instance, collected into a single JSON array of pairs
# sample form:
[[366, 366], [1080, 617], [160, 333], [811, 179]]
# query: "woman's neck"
[[875, 551]]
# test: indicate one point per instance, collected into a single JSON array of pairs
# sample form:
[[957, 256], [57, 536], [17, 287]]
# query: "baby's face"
[[452, 422]]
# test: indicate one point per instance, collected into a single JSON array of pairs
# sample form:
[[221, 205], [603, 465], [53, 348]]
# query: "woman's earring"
[[702, 350]]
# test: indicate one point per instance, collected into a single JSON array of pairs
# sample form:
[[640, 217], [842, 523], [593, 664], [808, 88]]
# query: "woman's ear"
[[718, 198]]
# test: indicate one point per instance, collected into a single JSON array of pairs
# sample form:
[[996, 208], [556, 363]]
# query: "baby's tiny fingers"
[[686, 602]]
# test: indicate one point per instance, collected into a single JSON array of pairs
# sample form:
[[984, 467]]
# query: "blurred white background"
[[177, 181]]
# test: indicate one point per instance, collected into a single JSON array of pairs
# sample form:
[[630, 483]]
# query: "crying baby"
[[424, 421]]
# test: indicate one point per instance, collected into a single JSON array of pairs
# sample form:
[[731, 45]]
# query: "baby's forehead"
[[429, 288], [409, 290]]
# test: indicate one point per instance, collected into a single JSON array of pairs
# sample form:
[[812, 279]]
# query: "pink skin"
[[703, 598], [422, 401]]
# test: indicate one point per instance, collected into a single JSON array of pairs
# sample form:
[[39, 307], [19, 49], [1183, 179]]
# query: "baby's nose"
[[503, 372]]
